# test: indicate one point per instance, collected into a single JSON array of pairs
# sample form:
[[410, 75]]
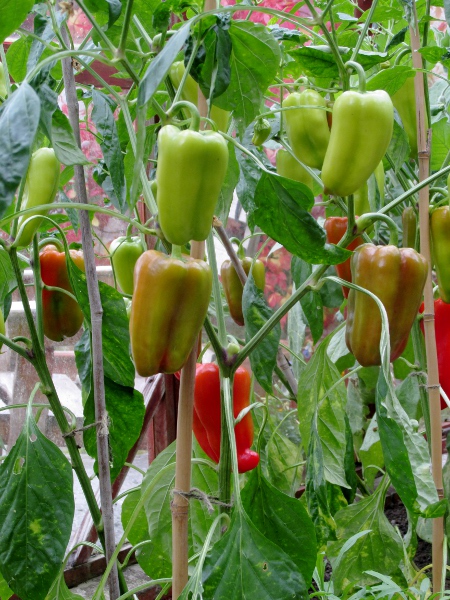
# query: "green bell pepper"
[[191, 170], [307, 128], [124, 252], [361, 132], [288, 166]]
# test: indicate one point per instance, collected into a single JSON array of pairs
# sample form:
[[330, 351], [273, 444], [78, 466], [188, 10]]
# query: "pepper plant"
[[297, 113]]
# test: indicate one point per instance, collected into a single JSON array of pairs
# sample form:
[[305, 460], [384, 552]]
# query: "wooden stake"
[[430, 338]]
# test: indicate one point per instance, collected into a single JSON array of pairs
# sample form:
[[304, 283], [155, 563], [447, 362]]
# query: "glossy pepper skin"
[[307, 128], [62, 315], [288, 166], [190, 93], [335, 228], [40, 188], [360, 136], [207, 415], [405, 102], [170, 302], [233, 288], [261, 132], [409, 223], [440, 249], [442, 331], [190, 174], [397, 276], [124, 252]]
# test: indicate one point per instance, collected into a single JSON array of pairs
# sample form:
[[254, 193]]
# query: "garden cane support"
[[101, 416], [430, 339]]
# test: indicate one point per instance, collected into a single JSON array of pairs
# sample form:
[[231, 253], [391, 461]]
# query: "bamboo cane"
[[429, 325]]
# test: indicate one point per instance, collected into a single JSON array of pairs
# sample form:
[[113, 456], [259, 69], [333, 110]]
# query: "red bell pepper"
[[442, 328], [207, 415]]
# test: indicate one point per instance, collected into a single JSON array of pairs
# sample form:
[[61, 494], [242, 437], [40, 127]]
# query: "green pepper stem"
[[51, 241], [369, 218], [195, 115], [176, 252], [401, 54], [351, 64]]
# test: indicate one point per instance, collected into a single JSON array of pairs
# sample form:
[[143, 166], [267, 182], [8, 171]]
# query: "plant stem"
[[120, 53], [101, 415], [38, 286]]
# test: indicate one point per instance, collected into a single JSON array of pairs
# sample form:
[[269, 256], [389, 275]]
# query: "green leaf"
[[371, 453], [318, 61], [60, 591], [5, 591], [397, 39], [318, 391], [156, 559], [296, 332], [408, 394], [405, 452], [390, 80], [13, 15], [229, 185], [398, 150], [125, 407], [380, 550], [435, 54], [282, 520], [254, 63], [316, 491], [36, 512], [8, 282], [281, 210], [440, 143], [18, 54], [256, 312], [63, 141], [103, 118], [19, 121], [245, 564], [72, 213], [115, 328], [284, 463], [313, 309], [159, 67]]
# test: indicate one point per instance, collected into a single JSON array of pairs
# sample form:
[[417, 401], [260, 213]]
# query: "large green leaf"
[[103, 118], [319, 392], [13, 15], [283, 520], [281, 208], [156, 560], [254, 63], [256, 312], [284, 463], [19, 119], [380, 550], [115, 328], [125, 407], [245, 564], [36, 512]]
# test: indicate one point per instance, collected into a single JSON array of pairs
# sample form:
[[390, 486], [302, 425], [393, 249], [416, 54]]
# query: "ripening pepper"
[[288, 166], [442, 332], [3, 90], [233, 288], [397, 277], [440, 248], [170, 301], [405, 102], [409, 223], [124, 252], [207, 415], [190, 174], [307, 128], [190, 93], [62, 315], [335, 228], [360, 136], [40, 188]]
